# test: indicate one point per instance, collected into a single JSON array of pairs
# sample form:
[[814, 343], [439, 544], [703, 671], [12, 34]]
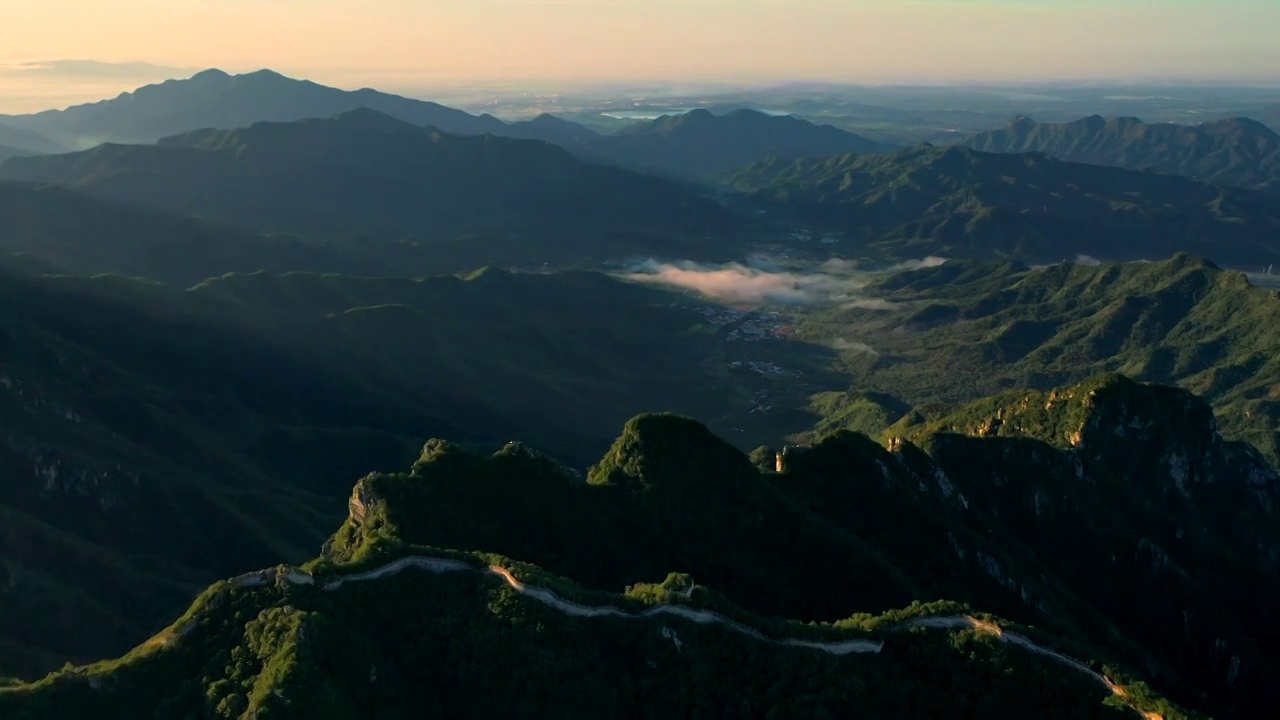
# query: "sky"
[[53, 52]]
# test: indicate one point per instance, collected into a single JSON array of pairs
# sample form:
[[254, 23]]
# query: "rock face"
[[362, 499]]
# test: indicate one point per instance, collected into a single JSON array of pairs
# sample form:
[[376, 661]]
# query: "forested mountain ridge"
[[365, 174], [1238, 151], [974, 518], [311, 651], [925, 518], [309, 631], [957, 202]]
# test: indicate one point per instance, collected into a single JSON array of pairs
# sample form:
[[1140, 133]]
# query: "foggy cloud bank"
[[760, 280]]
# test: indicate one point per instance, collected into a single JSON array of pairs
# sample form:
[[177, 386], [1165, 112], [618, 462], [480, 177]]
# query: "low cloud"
[[1087, 260], [741, 283], [928, 262], [759, 280]]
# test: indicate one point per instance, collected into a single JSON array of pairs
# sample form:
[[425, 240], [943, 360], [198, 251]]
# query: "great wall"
[[296, 576]]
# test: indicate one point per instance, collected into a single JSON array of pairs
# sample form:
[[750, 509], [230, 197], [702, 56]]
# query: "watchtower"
[[786, 455]]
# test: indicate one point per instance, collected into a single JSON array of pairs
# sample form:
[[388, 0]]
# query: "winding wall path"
[[440, 565]]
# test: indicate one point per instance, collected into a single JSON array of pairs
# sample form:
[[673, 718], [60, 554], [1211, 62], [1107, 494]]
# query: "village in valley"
[[748, 325], [756, 352]]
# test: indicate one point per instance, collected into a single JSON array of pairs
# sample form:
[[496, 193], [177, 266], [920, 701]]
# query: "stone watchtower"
[[785, 455]]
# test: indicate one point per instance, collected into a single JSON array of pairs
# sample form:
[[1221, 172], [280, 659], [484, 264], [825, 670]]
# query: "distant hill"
[[215, 99], [549, 128], [19, 141], [958, 202], [702, 144], [1238, 152], [367, 174]]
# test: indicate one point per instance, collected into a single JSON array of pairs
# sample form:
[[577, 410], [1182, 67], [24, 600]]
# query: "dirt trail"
[[547, 597]]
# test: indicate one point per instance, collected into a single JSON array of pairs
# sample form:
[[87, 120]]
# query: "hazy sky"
[[400, 43]]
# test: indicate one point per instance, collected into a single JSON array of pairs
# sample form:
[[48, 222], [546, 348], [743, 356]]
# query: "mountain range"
[[958, 202], [971, 514], [697, 144], [1004, 480], [1238, 152], [371, 193], [367, 174]]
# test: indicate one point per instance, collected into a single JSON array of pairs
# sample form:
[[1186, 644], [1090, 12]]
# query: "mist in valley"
[[765, 280]]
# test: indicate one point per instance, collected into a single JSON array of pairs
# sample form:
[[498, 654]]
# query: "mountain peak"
[[658, 448], [751, 113], [1126, 121], [1188, 260], [265, 75], [369, 119], [211, 74], [699, 118]]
